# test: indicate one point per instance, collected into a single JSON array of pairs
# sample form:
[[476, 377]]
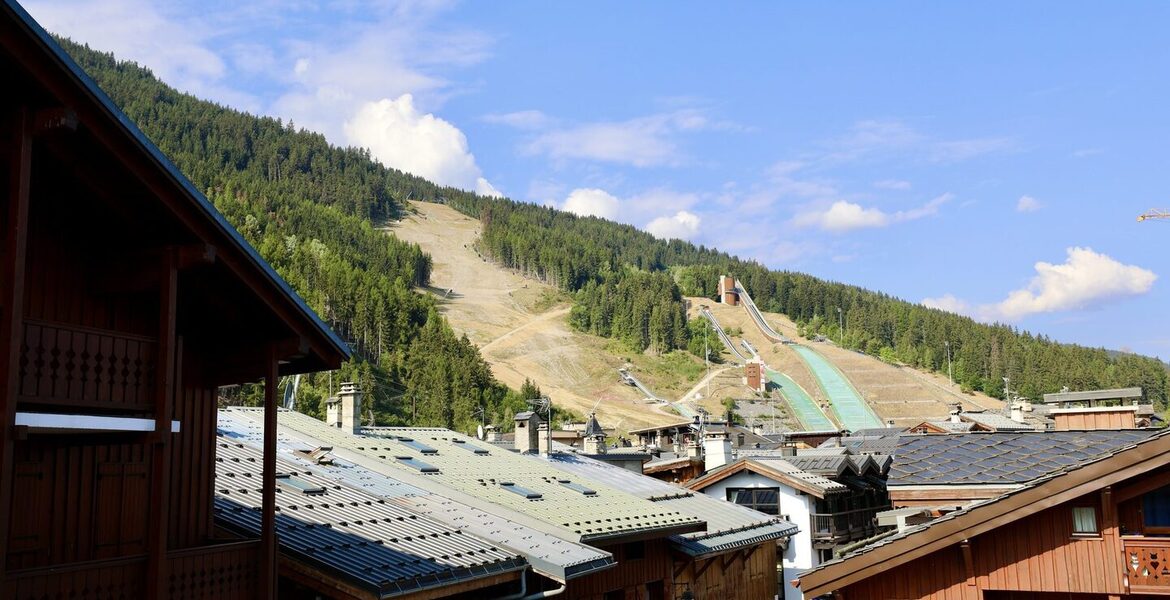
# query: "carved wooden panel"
[[81, 366]]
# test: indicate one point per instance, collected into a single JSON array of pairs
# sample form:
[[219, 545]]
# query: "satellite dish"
[[479, 431]]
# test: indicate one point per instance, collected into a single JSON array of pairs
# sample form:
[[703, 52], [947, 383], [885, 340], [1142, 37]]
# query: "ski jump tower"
[[728, 293]]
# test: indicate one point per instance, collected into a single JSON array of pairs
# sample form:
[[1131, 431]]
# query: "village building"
[[645, 540], [1092, 529], [126, 301], [733, 558], [833, 499]]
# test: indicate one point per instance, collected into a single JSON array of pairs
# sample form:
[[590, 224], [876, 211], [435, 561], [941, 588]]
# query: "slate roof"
[[778, 469], [729, 526], [386, 549], [995, 421], [549, 554], [502, 478], [866, 444], [829, 466], [592, 427], [1000, 457]]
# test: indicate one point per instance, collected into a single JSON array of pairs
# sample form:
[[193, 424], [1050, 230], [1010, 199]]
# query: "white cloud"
[[641, 142], [949, 303], [523, 119], [683, 225], [885, 138], [401, 137], [892, 184], [1028, 204], [1085, 280], [843, 216], [592, 202]]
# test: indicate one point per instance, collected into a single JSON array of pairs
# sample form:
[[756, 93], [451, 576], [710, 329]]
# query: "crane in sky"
[[1154, 213]]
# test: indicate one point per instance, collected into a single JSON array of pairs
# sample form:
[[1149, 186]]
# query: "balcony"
[[221, 571], [846, 525], [1147, 569]]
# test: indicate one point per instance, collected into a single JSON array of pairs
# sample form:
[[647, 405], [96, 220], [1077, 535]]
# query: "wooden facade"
[[1090, 533], [746, 574], [125, 301]]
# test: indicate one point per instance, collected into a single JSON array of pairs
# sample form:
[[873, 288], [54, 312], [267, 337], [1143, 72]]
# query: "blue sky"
[[990, 159]]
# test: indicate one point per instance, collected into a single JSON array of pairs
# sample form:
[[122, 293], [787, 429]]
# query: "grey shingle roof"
[[1000, 457], [552, 555], [387, 549], [995, 421], [729, 526], [828, 466]]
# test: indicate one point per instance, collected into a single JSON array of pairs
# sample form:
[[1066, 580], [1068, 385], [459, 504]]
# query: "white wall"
[[797, 506]]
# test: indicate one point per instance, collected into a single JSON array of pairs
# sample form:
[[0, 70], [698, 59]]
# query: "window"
[[1084, 520], [765, 500], [1156, 510]]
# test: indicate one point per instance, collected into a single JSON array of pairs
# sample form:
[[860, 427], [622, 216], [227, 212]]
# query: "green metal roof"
[[608, 514]]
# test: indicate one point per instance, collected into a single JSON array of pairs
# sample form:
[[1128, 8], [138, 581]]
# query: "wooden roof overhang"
[[1044, 493], [746, 464], [130, 206]]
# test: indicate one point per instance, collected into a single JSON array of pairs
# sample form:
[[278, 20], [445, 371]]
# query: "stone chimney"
[[527, 432], [594, 436], [490, 433], [758, 428], [955, 410], [717, 449], [694, 450], [344, 411]]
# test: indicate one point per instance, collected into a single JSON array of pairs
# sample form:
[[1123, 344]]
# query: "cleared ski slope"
[[803, 407], [723, 335], [851, 409]]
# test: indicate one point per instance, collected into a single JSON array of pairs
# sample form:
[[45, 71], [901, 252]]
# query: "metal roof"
[[153, 154], [549, 554], [609, 514], [1000, 457], [729, 526], [1092, 395], [386, 549]]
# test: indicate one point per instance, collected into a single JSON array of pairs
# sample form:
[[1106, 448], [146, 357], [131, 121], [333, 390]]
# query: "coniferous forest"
[[313, 209]]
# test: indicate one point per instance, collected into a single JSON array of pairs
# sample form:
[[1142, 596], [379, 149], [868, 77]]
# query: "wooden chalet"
[[126, 300], [1097, 529]]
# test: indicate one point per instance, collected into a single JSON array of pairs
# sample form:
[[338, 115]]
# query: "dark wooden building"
[[125, 301], [1092, 530]]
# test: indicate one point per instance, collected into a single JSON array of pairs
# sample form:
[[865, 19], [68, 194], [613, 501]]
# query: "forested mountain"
[[593, 255], [310, 209]]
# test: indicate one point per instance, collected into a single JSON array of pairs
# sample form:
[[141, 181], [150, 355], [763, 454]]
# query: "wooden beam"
[[1147, 484], [54, 120], [699, 572], [12, 279], [134, 272], [164, 402], [268, 496]]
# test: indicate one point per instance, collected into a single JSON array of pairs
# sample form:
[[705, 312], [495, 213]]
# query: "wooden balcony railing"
[[1147, 565], [845, 525], [220, 571], [86, 367]]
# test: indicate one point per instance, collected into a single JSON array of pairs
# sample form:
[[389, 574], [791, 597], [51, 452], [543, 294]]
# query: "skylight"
[[417, 464], [520, 490], [576, 487], [296, 484], [421, 447]]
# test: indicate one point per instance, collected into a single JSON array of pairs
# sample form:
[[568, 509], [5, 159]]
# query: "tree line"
[[589, 255], [311, 211]]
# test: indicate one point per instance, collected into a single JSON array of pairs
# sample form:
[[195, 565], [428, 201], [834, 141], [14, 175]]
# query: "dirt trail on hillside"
[[903, 394], [519, 324]]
